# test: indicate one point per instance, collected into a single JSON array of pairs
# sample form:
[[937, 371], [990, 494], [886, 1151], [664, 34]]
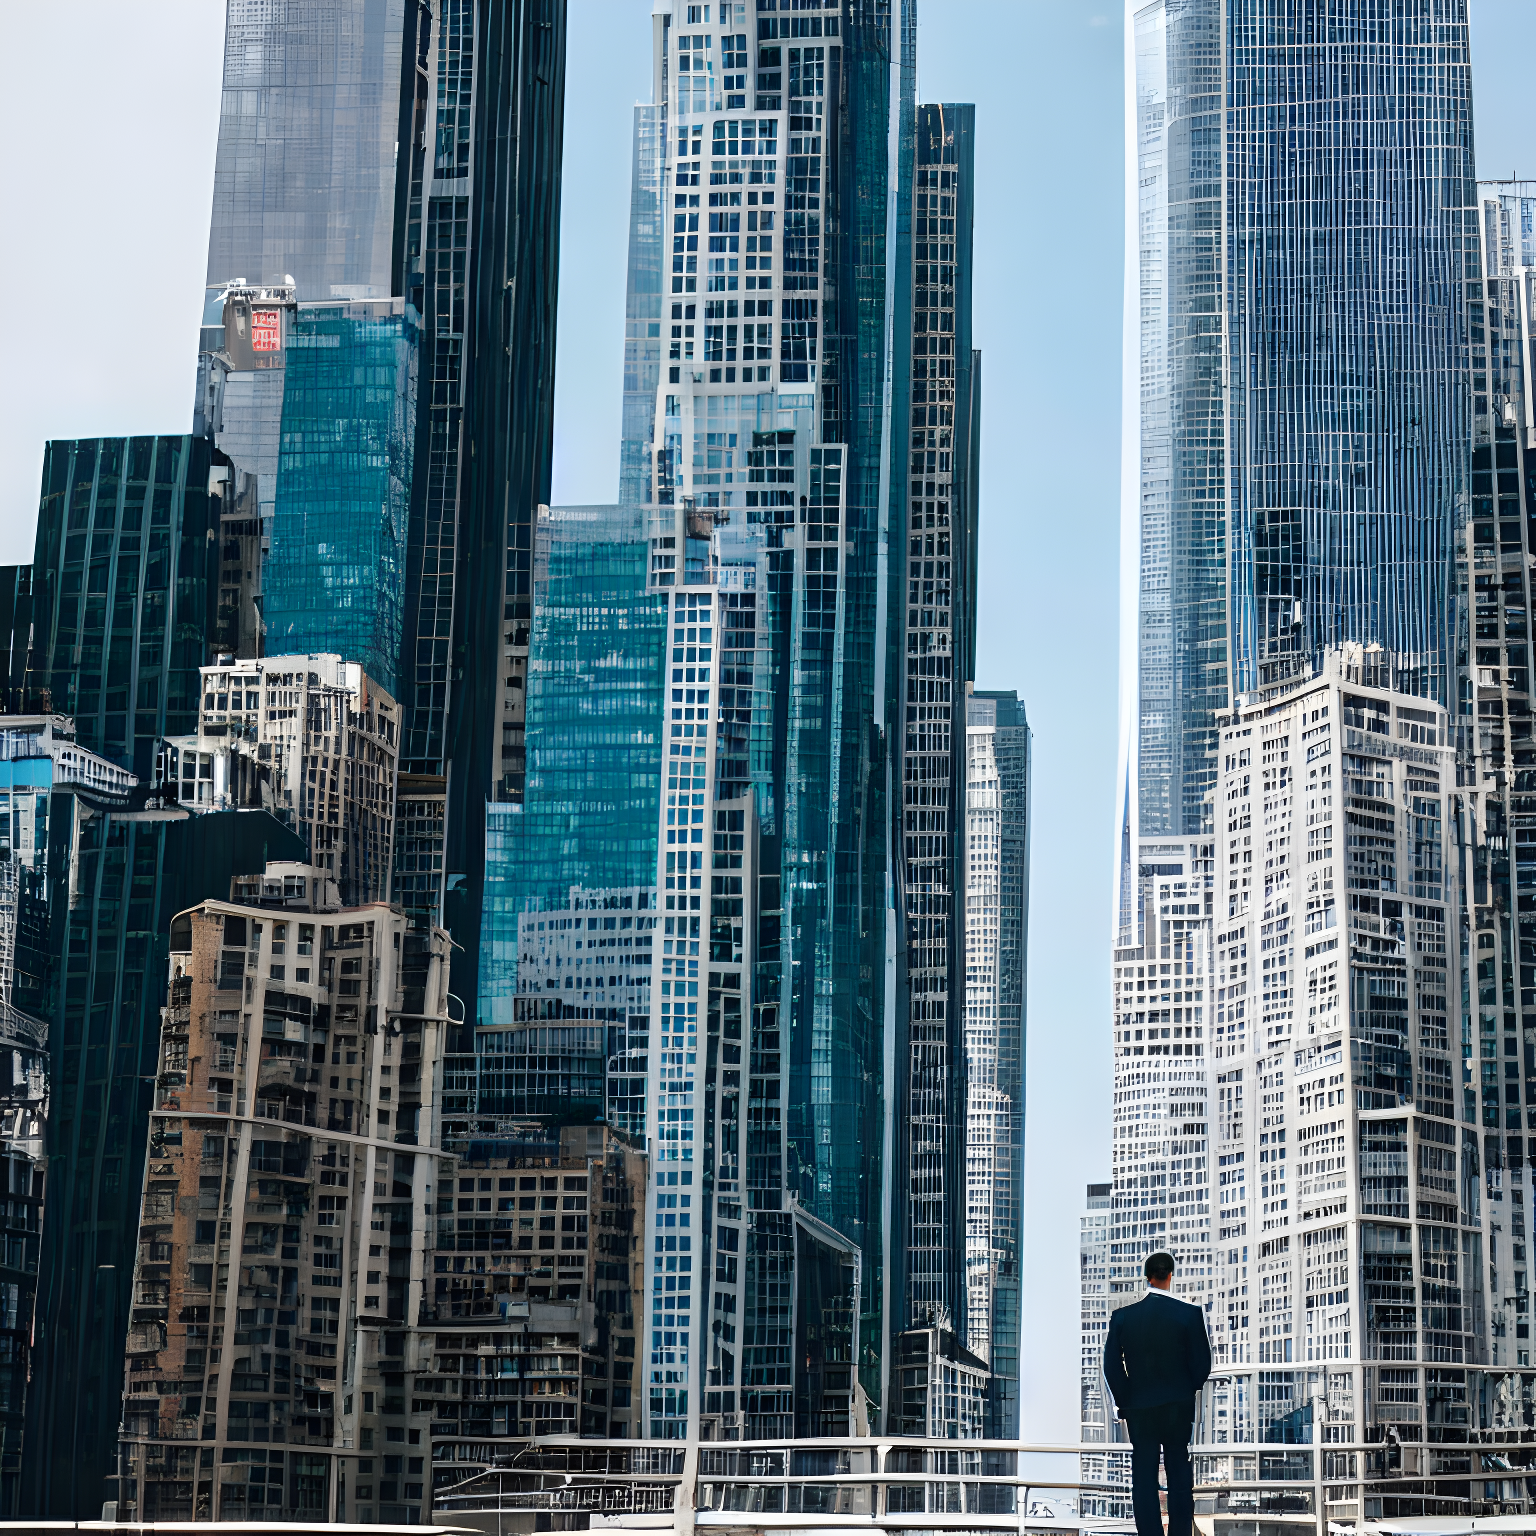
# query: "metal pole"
[[1319, 1396]]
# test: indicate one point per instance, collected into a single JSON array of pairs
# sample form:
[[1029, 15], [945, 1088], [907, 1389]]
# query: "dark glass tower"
[[508, 425], [437, 285], [935, 615], [123, 588]]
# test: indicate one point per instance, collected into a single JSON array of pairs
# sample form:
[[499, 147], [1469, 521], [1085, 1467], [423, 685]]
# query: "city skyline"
[[327, 622], [1091, 919]]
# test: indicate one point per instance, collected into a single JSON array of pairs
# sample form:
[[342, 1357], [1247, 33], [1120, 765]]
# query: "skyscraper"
[[935, 648], [507, 388], [311, 157], [1322, 911], [123, 596], [763, 525], [1262, 544], [594, 718], [756, 443], [996, 916], [1335, 1083], [642, 307], [1294, 485]]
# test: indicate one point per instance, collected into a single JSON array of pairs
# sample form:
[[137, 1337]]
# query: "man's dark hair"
[[1159, 1265]]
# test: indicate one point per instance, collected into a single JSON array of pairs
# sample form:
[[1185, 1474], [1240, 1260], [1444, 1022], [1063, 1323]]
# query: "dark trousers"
[[1162, 1430]]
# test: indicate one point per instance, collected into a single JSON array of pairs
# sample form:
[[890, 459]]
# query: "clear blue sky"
[[108, 210]]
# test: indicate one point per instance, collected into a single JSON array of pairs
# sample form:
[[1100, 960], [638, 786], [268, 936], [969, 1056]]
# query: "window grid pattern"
[[333, 579]]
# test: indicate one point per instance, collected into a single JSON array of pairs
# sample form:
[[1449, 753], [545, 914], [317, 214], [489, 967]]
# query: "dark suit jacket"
[[1157, 1352]]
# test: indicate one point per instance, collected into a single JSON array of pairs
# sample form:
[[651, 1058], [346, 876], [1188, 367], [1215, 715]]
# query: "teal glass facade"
[[334, 579], [123, 590], [594, 711]]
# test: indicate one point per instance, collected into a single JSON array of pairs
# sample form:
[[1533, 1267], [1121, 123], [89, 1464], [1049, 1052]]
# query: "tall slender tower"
[[997, 801], [769, 425], [935, 645]]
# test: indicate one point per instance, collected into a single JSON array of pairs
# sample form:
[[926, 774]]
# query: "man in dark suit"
[[1156, 1358]]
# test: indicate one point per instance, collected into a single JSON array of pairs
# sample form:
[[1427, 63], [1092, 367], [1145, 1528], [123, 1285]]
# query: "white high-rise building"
[[314, 740], [1348, 1232]]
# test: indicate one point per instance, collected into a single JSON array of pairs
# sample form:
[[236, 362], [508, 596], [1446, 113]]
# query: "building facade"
[[1350, 1226], [334, 574], [996, 917], [313, 740], [265, 1283]]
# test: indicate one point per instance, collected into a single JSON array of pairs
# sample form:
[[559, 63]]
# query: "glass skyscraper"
[[123, 596], [996, 916], [507, 386], [438, 273], [334, 574], [1302, 423], [310, 144], [935, 649], [764, 537]]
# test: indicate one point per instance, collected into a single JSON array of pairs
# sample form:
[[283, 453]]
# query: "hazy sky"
[[109, 200]]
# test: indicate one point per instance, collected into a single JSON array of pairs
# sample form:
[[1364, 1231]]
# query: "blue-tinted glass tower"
[[588, 818], [334, 577], [1302, 418]]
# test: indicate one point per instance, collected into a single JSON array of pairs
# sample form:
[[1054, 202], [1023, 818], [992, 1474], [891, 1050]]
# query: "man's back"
[[1157, 1351]]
